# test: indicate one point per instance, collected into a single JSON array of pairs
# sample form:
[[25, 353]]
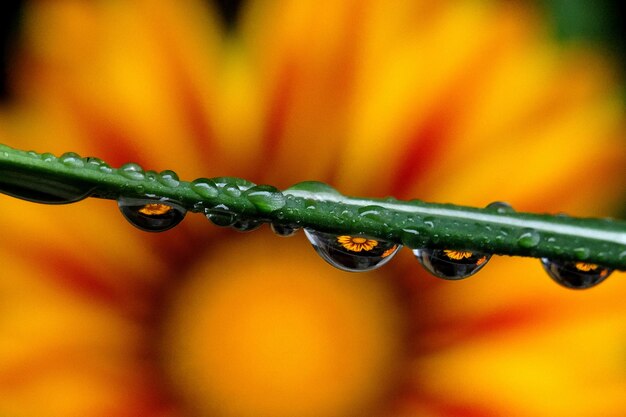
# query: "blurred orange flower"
[[100, 319]]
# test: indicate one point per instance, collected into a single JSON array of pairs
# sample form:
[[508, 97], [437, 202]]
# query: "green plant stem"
[[416, 224]]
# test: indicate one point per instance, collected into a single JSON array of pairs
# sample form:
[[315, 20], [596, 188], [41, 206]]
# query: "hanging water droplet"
[[231, 190], [246, 225], [352, 253], [205, 188], [72, 160], [574, 274], [529, 239], [283, 230], [221, 215], [42, 189], [151, 215], [451, 264], [266, 198], [131, 171], [501, 207], [168, 178]]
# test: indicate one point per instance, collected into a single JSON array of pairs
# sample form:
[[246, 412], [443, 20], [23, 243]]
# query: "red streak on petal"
[[107, 139], [123, 294], [278, 112], [463, 410], [188, 93], [425, 143], [437, 335], [434, 133], [415, 402]]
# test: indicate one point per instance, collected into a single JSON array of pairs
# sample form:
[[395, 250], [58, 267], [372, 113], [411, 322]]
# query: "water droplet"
[[574, 274], [451, 264], [231, 190], [72, 160], [429, 222], [168, 178], [352, 253], [581, 253], [221, 215], [151, 215], [151, 175], [500, 207], [42, 189], [316, 187], [528, 239], [33, 154], [205, 188], [412, 238], [266, 198], [48, 157], [131, 171], [246, 225], [239, 183], [283, 230], [310, 204], [373, 212], [94, 163]]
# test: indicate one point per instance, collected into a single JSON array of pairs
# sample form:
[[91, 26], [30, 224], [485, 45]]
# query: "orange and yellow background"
[[451, 101]]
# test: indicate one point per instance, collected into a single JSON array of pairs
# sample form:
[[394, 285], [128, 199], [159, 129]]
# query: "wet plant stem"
[[497, 229]]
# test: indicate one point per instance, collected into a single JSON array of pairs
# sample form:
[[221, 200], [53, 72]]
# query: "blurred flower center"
[[278, 333]]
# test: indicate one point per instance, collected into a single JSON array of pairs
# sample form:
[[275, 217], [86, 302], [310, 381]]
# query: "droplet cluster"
[[245, 206]]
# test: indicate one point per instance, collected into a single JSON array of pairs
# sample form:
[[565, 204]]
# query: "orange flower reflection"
[[357, 243], [100, 319]]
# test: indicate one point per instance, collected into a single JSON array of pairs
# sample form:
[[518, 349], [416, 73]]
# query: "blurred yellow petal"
[[466, 101]]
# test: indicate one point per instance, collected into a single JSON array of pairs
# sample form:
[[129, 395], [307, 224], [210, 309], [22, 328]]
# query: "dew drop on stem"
[[71, 160], [266, 198], [168, 178], [132, 171]]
